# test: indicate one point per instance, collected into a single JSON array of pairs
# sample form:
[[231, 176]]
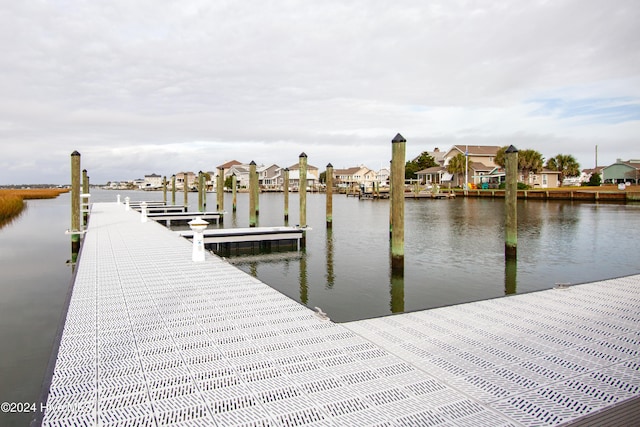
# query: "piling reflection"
[[304, 286], [510, 273], [329, 249], [397, 291]]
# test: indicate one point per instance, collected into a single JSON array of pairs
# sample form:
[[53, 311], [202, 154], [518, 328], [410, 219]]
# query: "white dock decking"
[[152, 338]]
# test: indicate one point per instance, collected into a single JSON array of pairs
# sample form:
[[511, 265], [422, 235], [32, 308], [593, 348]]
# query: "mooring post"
[[200, 202], [117, 198], [164, 189], [185, 190], [329, 195], [84, 206], [75, 202], [398, 145], [253, 195], [390, 199], [126, 203], [302, 192], [173, 189], [510, 274], [143, 212], [234, 184], [220, 191], [511, 203], [285, 188], [198, 226]]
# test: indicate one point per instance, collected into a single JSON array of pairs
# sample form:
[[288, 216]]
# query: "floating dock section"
[[231, 240], [152, 338]]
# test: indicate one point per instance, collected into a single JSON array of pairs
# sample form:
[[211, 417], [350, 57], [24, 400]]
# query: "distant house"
[[313, 176], [358, 175], [585, 175], [152, 181], [188, 177], [382, 176], [481, 160], [268, 176], [546, 178], [433, 175], [621, 172], [227, 166]]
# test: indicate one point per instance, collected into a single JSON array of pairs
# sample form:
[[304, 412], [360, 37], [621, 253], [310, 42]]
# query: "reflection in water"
[[510, 272], [397, 291], [329, 246], [253, 269], [304, 287]]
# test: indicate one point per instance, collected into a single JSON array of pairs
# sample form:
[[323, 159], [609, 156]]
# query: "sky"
[[147, 86]]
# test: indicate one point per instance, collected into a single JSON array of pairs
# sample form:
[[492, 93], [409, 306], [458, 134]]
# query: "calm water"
[[454, 253]]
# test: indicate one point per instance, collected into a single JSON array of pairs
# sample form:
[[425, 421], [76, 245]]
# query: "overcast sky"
[[156, 86]]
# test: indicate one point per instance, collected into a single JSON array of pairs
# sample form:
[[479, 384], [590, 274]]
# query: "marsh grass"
[[12, 201]]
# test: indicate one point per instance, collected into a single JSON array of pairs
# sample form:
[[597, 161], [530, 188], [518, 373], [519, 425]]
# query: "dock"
[[226, 240], [169, 217], [152, 338]]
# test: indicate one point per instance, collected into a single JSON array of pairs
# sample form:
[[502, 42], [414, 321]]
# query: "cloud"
[[140, 86]]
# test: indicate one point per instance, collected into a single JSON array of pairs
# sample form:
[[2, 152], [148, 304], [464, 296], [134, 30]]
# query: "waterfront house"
[[269, 176], [481, 160], [188, 177], [313, 176], [621, 172], [586, 174], [152, 181], [354, 176]]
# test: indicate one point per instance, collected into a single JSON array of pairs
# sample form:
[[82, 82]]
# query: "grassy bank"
[[12, 201]]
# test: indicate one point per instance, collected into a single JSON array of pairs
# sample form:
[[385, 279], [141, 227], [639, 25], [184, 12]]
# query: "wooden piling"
[[285, 188], [164, 189], [220, 190], [75, 202], [234, 184], [253, 195], [200, 200], [510, 274], [173, 189], [185, 190], [511, 199], [85, 190], [329, 195], [302, 193], [398, 145]]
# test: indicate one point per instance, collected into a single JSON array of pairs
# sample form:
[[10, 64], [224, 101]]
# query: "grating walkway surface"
[[152, 338]]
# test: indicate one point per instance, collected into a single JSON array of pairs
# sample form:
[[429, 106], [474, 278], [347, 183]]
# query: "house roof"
[[297, 166], [228, 164], [348, 171], [478, 150], [433, 169]]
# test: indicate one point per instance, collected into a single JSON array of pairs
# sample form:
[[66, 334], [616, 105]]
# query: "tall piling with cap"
[[234, 184], [329, 194], [220, 192], [511, 203], [285, 189], [253, 194], [302, 192], [164, 189], [185, 190], [173, 189], [84, 207], [75, 203], [199, 185], [398, 145]]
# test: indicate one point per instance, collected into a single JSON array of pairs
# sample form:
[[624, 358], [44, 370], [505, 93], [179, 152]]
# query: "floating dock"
[[152, 338], [226, 240], [169, 217]]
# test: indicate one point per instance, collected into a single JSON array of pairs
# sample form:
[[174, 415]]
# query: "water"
[[454, 253]]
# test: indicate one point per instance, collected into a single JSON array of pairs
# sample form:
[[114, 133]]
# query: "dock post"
[[220, 194], [173, 189], [200, 200], [85, 191], [398, 145], [253, 194], [511, 206], [126, 203], [75, 203], [510, 274], [329, 195], [185, 190], [164, 189], [285, 188], [390, 199], [117, 198], [234, 184], [302, 193], [198, 226], [143, 212]]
